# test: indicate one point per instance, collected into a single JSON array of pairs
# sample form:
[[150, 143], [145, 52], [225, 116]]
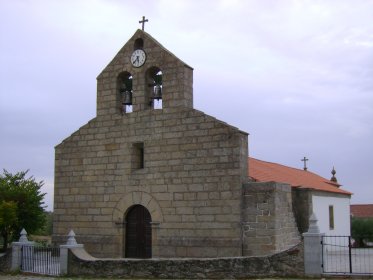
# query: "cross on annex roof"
[[143, 22], [305, 163]]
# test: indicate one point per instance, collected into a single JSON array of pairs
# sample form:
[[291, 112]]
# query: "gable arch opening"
[[139, 44], [154, 89], [124, 92]]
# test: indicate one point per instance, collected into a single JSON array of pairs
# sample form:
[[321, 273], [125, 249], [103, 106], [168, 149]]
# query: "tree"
[[8, 218], [362, 230], [21, 205], [48, 226]]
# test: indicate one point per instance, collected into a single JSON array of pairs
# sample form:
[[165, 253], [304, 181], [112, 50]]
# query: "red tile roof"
[[362, 210], [263, 171]]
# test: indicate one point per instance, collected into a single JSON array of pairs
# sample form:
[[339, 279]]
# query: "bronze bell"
[[157, 92], [127, 97]]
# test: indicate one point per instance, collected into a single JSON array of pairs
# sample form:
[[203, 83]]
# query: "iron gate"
[[339, 256], [40, 260]]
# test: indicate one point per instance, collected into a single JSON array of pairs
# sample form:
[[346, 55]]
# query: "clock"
[[138, 58]]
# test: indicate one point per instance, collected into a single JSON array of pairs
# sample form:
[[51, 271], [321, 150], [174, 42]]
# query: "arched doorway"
[[138, 233]]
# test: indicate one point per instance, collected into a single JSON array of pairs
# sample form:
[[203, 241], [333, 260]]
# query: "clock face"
[[138, 58]]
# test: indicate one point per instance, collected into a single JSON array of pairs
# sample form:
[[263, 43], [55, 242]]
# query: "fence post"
[[17, 250], [64, 253], [313, 248]]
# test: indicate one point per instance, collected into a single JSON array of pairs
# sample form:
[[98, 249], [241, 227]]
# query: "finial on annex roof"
[[305, 163], [334, 179]]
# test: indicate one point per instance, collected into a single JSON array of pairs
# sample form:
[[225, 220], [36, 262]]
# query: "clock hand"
[[137, 59]]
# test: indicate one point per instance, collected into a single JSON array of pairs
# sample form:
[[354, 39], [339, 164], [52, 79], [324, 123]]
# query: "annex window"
[[331, 217], [137, 156]]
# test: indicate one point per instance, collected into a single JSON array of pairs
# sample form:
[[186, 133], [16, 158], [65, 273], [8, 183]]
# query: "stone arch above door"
[[142, 198]]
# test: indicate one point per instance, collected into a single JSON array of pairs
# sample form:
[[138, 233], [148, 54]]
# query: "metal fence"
[[339, 256], [40, 260]]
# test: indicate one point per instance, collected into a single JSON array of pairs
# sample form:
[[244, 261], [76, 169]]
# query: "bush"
[[362, 231]]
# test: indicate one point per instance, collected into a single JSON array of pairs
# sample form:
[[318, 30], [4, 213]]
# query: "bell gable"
[[155, 75]]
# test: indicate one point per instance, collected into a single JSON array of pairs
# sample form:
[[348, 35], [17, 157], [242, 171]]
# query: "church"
[[150, 176]]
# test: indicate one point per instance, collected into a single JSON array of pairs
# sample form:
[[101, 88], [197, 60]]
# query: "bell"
[[127, 98], [157, 92]]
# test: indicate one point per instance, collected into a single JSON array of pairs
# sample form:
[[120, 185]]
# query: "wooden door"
[[138, 233]]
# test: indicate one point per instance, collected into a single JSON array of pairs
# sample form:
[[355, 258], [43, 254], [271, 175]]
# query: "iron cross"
[[143, 22], [305, 163]]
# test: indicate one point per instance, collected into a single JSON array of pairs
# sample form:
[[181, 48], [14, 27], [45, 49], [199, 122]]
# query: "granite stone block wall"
[[185, 167], [302, 206], [289, 263], [194, 167], [268, 220]]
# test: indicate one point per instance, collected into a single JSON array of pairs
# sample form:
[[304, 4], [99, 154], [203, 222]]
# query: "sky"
[[296, 75]]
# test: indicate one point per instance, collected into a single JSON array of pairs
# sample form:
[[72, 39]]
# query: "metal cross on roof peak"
[[305, 163], [143, 22]]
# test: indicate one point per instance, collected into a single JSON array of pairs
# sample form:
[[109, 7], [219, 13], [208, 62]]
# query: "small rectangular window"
[[138, 156], [331, 217]]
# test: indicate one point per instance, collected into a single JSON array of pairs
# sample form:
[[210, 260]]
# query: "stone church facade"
[[139, 181]]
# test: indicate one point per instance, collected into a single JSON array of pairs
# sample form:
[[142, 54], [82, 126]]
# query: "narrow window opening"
[[331, 217], [125, 92], [157, 101], [138, 156], [139, 44], [155, 83]]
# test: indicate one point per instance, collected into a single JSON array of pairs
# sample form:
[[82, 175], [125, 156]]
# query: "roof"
[[263, 171], [362, 210]]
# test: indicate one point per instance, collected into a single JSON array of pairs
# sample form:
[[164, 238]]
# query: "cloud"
[[296, 75]]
